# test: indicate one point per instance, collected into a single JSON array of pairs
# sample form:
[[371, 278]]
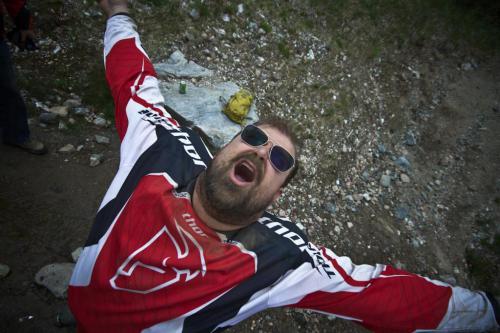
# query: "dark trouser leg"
[[13, 116]]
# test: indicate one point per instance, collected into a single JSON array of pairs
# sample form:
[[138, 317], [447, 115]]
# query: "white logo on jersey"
[[137, 275]]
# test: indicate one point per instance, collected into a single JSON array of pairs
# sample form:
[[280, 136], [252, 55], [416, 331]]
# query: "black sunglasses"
[[280, 158]]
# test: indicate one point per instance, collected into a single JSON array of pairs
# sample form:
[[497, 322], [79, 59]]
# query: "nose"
[[263, 151]]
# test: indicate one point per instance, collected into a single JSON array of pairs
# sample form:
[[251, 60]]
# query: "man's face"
[[241, 182]]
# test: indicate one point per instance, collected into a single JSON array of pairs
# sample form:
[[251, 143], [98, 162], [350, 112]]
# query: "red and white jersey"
[[151, 265]]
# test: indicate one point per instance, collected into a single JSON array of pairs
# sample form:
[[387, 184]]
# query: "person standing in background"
[[13, 115]]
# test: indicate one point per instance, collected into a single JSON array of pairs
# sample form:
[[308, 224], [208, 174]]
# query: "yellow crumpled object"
[[238, 106]]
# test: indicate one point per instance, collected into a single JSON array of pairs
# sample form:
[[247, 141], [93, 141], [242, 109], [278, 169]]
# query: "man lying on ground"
[[182, 241]]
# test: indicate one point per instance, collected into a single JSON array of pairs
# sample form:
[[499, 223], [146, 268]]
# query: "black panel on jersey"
[[275, 256], [167, 154]]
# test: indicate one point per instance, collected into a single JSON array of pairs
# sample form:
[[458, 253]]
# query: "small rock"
[[96, 159], [331, 208], [240, 9], [402, 162], [42, 106], [188, 36], [76, 254], [467, 66], [72, 121], [226, 18], [61, 111], [62, 126], [365, 175], [25, 318], [357, 197], [99, 121], [4, 270], [385, 180], [410, 139], [81, 111], [55, 277], [350, 225], [337, 229], [79, 148], [366, 196], [310, 55], [72, 103], [69, 148], [102, 139], [47, 118], [445, 161], [221, 32], [194, 13], [404, 178], [381, 149], [401, 212]]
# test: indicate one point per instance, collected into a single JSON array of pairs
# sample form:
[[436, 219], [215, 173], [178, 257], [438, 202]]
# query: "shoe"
[[32, 146]]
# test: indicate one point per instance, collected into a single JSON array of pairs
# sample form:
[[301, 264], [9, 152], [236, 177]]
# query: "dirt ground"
[[362, 90]]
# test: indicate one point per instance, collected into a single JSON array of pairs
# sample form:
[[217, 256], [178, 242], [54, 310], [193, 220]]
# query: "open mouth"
[[244, 172]]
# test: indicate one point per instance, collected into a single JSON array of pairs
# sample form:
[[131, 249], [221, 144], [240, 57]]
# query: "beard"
[[227, 202]]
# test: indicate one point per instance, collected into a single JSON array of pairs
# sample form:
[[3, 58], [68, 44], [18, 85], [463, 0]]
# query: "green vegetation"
[[284, 49], [403, 22], [265, 26], [484, 268], [97, 94]]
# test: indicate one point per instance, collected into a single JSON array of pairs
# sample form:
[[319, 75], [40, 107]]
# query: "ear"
[[277, 194]]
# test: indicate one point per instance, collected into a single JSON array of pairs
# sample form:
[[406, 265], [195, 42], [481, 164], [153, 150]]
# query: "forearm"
[[113, 7]]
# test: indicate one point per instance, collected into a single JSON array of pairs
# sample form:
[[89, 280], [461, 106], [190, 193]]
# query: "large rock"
[[177, 65], [202, 107], [55, 277]]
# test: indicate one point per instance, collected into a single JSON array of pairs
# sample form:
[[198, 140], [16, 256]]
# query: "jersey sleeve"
[[382, 298], [134, 87]]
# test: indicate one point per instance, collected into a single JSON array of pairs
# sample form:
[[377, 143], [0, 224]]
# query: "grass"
[[403, 22], [483, 263], [283, 49], [264, 25], [97, 93]]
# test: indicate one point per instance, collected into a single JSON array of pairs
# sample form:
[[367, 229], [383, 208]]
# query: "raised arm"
[[384, 299], [132, 80]]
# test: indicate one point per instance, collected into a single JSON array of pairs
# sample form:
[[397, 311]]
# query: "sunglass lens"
[[253, 136], [281, 159]]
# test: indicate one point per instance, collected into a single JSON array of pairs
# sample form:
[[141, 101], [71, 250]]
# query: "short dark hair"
[[285, 128]]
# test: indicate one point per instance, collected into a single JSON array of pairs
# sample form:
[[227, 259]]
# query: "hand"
[[112, 7], [26, 37]]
